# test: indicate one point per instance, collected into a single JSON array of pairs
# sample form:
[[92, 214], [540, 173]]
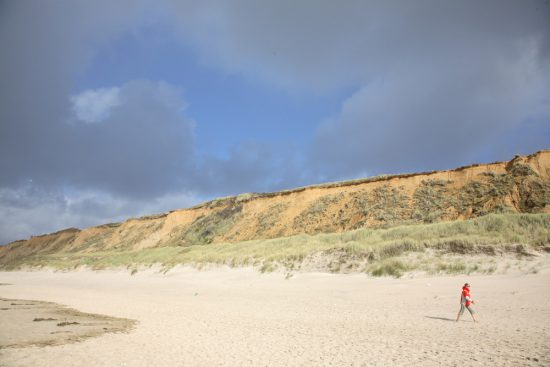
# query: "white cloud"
[[95, 105]]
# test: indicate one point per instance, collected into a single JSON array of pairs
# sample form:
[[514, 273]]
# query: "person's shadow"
[[439, 318]]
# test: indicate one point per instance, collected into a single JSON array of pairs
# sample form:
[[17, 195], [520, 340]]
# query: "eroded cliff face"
[[521, 185]]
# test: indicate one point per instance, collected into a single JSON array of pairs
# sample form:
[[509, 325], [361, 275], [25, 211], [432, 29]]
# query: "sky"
[[117, 109]]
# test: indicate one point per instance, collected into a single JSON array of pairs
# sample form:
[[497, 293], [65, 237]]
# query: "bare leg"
[[472, 314]]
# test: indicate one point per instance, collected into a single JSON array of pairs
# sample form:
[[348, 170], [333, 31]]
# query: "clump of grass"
[[397, 248], [452, 268], [472, 269], [393, 268], [267, 267]]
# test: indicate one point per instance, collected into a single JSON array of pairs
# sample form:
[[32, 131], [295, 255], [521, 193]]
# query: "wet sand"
[[27, 323], [229, 317]]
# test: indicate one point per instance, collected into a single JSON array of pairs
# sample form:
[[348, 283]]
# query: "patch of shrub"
[[432, 199], [386, 204], [473, 195], [520, 169], [486, 196], [500, 185], [205, 228], [501, 208], [389, 204], [535, 194], [270, 217], [314, 216]]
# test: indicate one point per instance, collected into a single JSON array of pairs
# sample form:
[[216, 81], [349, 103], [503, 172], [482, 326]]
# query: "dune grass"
[[377, 248]]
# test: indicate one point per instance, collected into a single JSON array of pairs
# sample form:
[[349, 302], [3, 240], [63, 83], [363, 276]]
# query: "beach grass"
[[375, 251]]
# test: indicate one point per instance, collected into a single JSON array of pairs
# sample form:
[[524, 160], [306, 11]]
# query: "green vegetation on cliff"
[[375, 251]]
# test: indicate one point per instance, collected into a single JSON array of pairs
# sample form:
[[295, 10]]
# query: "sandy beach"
[[239, 317]]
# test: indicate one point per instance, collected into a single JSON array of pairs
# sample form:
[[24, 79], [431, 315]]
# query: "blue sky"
[[227, 107], [117, 109]]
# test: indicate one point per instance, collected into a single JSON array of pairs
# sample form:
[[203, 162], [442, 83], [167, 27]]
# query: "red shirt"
[[465, 296]]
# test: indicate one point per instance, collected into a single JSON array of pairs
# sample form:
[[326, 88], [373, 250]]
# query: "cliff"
[[521, 185]]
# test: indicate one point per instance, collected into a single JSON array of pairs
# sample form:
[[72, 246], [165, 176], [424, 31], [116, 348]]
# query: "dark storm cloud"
[[44, 45], [131, 163], [323, 45], [144, 148], [31, 209], [434, 80], [251, 167], [437, 83], [397, 126], [56, 171]]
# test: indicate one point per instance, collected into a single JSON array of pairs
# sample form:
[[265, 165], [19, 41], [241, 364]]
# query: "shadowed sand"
[[238, 317]]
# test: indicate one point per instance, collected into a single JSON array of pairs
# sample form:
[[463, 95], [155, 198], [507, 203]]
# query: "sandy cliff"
[[521, 185]]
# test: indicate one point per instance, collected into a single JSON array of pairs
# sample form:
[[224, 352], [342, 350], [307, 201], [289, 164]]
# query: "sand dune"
[[238, 317]]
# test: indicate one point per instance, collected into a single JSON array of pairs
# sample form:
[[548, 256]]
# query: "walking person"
[[466, 302]]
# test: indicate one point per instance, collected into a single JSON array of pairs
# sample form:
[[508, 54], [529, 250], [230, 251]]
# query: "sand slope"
[[242, 318]]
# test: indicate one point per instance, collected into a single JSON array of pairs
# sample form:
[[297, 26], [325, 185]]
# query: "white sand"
[[243, 318]]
